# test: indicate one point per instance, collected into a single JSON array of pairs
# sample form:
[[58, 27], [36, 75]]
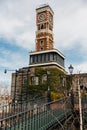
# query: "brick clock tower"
[[44, 33], [45, 55]]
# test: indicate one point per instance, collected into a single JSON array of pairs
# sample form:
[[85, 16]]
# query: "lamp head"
[[71, 69]]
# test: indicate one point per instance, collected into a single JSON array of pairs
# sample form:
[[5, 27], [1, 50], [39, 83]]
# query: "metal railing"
[[40, 117], [14, 108]]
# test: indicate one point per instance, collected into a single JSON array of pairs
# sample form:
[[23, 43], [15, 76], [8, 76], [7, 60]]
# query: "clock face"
[[42, 16]]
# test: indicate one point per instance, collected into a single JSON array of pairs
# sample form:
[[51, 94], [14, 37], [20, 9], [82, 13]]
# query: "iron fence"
[[14, 108], [39, 118]]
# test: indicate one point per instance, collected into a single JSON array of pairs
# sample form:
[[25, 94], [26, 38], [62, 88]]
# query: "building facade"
[[81, 80], [45, 55]]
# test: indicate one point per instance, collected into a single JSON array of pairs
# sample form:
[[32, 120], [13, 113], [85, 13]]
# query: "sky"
[[17, 33]]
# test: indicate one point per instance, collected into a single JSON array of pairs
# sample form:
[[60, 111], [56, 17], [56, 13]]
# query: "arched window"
[[42, 26], [41, 43]]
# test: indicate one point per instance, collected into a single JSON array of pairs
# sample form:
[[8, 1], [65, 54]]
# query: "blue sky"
[[17, 33]]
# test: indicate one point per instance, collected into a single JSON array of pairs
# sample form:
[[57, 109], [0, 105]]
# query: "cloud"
[[81, 68], [11, 61], [70, 32], [71, 27], [16, 23]]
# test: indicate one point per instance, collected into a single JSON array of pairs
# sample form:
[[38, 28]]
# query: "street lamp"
[[72, 95], [80, 105], [71, 69], [48, 85], [64, 85], [48, 82]]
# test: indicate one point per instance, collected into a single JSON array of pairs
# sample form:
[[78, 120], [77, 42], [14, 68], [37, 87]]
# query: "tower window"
[[42, 26], [41, 49], [41, 43]]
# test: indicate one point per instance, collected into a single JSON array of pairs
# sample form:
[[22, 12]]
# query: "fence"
[[39, 118]]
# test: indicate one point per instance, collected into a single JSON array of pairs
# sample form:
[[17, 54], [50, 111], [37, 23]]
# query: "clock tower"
[[45, 54], [44, 33]]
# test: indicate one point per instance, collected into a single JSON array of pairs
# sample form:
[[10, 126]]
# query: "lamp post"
[[64, 85], [71, 69], [80, 106], [72, 95], [48, 82], [48, 85]]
